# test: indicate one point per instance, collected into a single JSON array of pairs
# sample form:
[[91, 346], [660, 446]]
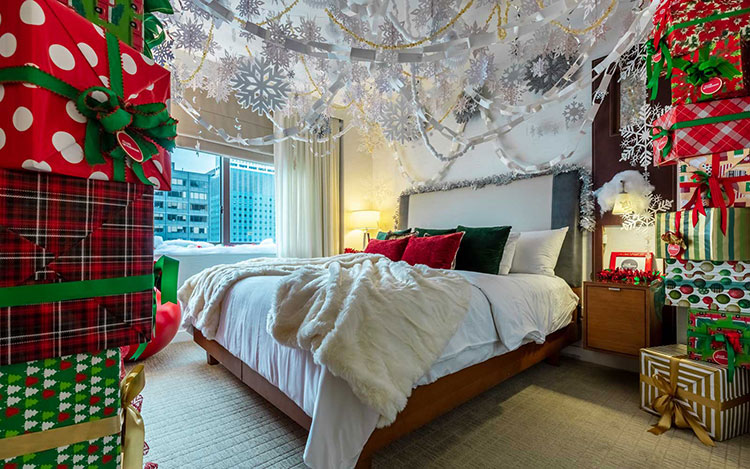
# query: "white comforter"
[[518, 307], [377, 324]]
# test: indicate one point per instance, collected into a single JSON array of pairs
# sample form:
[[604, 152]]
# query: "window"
[[199, 203]]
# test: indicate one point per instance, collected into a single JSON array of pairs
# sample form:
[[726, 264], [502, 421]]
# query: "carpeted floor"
[[576, 415]]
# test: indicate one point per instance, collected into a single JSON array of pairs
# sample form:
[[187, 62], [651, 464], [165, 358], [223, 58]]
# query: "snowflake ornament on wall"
[[636, 143], [573, 113], [544, 71], [260, 86], [644, 221]]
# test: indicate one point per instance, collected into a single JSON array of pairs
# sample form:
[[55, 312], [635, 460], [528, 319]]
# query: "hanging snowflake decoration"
[[164, 53], [309, 30], [189, 35], [466, 108], [195, 9], [321, 128], [644, 221], [370, 139], [398, 121], [273, 51], [481, 68], [249, 8], [574, 112], [432, 14], [636, 143], [554, 66], [513, 75], [260, 86], [633, 64]]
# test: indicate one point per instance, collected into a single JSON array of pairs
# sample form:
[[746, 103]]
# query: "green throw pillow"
[[393, 234], [481, 248], [382, 235], [421, 232]]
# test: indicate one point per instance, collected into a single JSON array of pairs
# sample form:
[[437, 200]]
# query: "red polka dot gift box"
[[76, 101]]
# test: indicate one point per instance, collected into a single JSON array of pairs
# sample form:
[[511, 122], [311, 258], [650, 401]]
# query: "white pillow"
[[508, 250], [537, 252]]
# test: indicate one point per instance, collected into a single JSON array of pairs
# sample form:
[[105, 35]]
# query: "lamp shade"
[[365, 219], [623, 204]]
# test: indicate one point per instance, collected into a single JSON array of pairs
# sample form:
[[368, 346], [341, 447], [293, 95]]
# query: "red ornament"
[[168, 319]]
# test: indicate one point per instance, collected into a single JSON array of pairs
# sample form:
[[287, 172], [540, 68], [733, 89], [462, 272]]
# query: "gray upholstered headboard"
[[534, 202]]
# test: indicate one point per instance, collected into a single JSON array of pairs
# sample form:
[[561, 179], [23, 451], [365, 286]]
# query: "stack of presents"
[[85, 137], [704, 385]]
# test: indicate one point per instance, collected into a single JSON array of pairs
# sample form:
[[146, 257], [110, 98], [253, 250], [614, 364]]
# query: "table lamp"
[[365, 220], [623, 205]]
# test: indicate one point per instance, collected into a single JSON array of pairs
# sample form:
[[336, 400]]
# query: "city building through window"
[[198, 206]]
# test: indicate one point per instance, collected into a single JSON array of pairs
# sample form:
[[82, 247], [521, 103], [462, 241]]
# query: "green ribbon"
[[166, 270], [662, 132], [53, 292], [728, 346], [707, 67], [149, 125], [153, 28]]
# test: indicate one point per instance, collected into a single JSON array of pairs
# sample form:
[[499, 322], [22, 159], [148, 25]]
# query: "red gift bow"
[[732, 339], [712, 184]]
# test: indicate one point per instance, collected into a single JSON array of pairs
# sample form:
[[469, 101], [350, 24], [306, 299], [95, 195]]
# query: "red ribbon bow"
[[732, 339], [715, 186]]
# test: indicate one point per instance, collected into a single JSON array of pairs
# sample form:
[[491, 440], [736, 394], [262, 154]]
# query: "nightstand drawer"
[[616, 319]]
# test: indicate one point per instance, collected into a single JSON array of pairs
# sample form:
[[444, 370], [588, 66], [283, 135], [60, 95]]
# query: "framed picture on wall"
[[631, 260]]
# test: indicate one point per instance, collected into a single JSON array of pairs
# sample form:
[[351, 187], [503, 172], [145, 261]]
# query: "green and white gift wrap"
[[74, 397], [712, 285], [705, 240]]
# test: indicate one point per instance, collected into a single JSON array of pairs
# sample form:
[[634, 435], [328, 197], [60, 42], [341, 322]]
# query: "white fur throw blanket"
[[378, 324]]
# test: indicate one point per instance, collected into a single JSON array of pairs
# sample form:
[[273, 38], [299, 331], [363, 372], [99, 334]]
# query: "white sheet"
[[505, 312]]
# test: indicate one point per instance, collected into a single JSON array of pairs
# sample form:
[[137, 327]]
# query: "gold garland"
[[203, 57], [593, 26], [375, 45]]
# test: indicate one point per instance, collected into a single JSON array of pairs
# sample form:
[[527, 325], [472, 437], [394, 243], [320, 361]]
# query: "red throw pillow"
[[393, 249], [438, 252]]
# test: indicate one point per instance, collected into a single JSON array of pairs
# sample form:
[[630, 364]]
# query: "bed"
[[514, 322]]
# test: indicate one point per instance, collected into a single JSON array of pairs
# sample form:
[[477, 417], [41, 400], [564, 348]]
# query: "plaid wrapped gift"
[[723, 408], [689, 130], [719, 337], [111, 121], [714, 71], [709, 284], [71, 397], [732, 167], [77, 260], [705, 240]]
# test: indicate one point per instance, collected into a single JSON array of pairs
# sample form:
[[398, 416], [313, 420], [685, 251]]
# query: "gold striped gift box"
[[722, 407], [705, 241]]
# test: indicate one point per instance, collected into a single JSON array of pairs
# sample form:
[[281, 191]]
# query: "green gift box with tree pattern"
[[68, 408]]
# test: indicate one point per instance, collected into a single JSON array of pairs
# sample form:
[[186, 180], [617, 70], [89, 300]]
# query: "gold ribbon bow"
[[133, 429], [670, 404]]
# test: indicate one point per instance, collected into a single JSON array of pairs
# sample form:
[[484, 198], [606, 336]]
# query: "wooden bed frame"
[[426, 402]]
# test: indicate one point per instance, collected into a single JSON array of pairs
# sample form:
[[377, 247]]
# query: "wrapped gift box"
[[134, 146], [686, 25], [733, 167], [713, 285], [78, 265], [79, 394], [123, 18], [719, 337], [722, 407], [689, 130], [714, 71], [705, 240]]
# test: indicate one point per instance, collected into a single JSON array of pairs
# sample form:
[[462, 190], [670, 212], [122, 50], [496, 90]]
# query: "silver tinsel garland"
[[587, 220]]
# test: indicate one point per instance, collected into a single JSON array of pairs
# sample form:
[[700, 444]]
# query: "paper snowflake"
[[398, 121], [588, 7], [633, 63], [309, 30], [513, 75], [195, 9], [390, 34], [164, 53], [433, 14], [249, 8], [321, 128], [277, 54], [538, 67], [646, 220], [189, 35], [555, 67], [636, 143], [573, 112], [466, 108], [260, 86], [480, 69], [511, 94]]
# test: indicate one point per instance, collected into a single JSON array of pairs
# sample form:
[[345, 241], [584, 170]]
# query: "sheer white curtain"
[[307, 196]]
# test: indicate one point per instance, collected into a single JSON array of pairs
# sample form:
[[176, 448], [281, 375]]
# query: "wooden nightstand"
[[619, 318]]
